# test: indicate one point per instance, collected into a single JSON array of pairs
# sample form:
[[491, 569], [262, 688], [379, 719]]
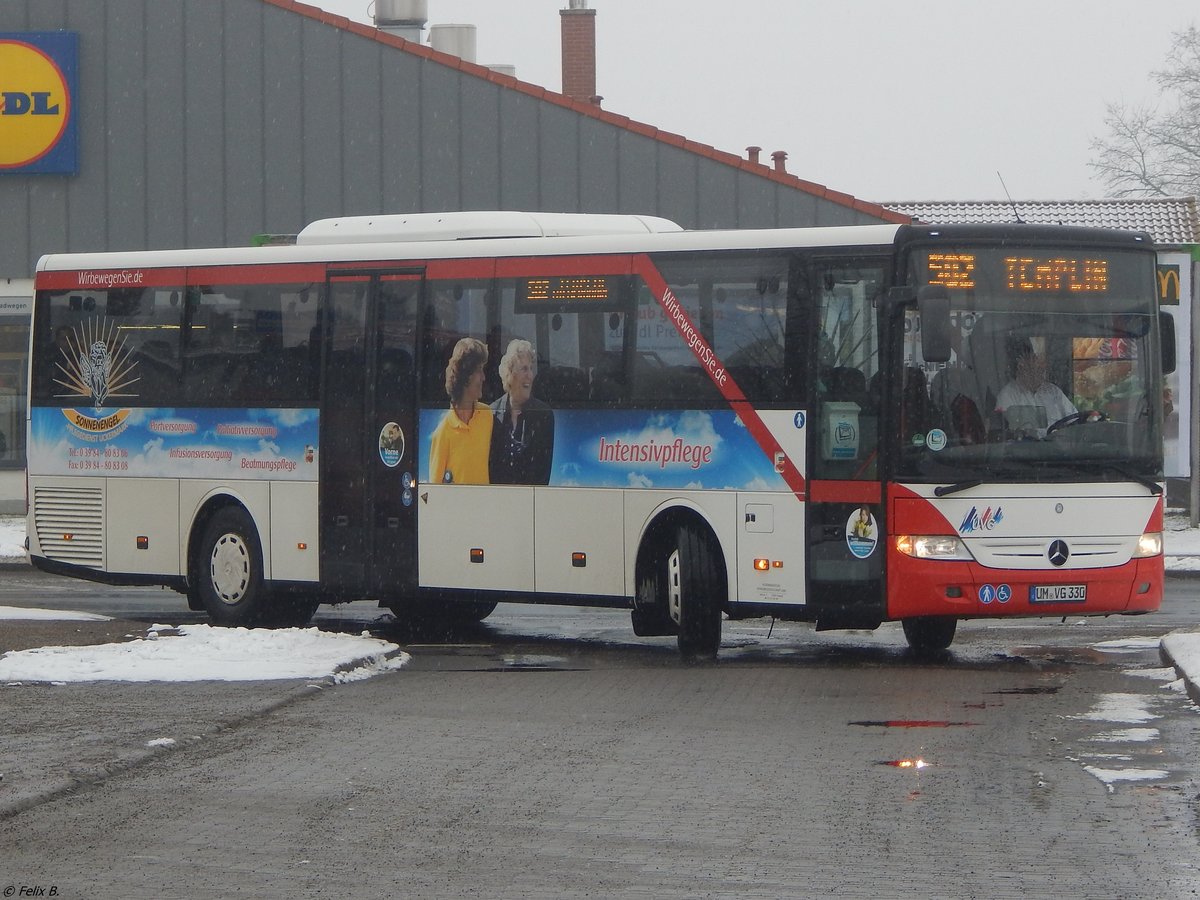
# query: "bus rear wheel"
[[695, 593], [929, 634], [226, 574]]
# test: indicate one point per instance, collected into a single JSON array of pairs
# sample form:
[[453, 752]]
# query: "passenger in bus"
[[523, 432], [1029, 388], [461, 442]]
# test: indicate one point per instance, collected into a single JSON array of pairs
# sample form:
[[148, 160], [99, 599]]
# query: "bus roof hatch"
[[457, 226]]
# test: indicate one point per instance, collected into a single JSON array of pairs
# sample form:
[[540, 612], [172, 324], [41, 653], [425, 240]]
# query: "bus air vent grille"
[[70, 524]]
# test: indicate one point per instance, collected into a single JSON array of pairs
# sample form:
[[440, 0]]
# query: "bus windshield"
[[1051, 373]]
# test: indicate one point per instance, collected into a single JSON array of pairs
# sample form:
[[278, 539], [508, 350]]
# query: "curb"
[[1193, 691]]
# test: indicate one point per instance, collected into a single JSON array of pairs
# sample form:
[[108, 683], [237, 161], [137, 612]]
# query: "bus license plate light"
[[1058, 593]]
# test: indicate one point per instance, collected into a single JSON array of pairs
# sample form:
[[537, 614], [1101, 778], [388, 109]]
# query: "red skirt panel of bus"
[[922, 587], [929, 587]]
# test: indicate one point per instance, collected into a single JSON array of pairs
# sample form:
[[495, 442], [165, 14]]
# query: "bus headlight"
[[932, 546], [1149, 544]]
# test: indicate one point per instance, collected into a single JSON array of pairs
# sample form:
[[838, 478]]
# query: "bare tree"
[[1154, 150]]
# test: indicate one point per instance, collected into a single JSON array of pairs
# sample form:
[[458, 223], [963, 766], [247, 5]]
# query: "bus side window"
[[847, 370], [453, 309], [739, 305]]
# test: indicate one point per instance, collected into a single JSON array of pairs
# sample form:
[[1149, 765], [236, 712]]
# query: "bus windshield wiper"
[[1152, 486], [943, 490]]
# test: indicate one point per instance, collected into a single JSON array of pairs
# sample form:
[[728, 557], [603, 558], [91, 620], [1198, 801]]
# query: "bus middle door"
[[369, 469]]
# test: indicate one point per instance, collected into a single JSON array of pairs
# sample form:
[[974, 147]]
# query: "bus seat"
[[675, 383], [952, 394], [556, 384], [948, 383], [607, 378], [847, 383], [395, 367], [916, 417], [990, 366], [756, 382]]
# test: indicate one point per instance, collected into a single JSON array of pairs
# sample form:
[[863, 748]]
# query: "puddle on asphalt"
[[915, 764], [913, 723]]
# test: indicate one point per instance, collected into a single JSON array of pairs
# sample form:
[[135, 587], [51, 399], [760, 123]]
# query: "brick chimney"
[[579, 52]]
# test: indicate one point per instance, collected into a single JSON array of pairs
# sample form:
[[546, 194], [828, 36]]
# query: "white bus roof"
[[465, 235]]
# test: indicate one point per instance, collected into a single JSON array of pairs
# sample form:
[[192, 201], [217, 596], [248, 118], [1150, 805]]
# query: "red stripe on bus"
[[286, 273], [106, 279], [542, 266], [460, 268], [711, 363], [844, 491]]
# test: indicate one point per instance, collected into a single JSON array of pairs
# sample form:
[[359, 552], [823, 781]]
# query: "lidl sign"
[[39, 73]]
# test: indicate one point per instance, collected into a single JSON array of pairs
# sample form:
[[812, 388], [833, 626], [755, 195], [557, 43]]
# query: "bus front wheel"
[[929, 634], [695, 588], [227, 571]]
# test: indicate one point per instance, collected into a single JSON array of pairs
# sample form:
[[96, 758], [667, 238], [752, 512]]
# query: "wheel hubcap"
[[230, 568]]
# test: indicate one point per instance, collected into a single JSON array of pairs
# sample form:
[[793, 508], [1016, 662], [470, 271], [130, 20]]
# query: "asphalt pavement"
[[66, 738]]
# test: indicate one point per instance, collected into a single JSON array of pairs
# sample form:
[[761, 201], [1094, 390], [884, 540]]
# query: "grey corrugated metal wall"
[[203, 122]]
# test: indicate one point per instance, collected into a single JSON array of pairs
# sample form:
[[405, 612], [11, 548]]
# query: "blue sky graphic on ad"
[[670, 449], [177, 443]]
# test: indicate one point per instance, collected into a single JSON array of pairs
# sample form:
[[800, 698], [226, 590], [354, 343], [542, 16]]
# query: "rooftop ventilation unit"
[[403, 18], [457, 40], [457, 226]]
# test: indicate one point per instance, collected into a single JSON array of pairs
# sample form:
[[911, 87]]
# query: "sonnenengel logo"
[[97, 428], [94, 361]]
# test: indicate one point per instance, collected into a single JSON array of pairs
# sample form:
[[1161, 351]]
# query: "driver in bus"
[[1029, 388]]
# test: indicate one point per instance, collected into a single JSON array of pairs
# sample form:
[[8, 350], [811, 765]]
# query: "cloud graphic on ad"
[[290, 418], [693, 427]]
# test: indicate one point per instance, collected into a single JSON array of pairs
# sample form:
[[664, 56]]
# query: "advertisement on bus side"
[[669, 449], [268, 444]]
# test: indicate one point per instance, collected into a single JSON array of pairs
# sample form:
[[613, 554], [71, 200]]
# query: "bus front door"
[[368, 435], [846, 525]]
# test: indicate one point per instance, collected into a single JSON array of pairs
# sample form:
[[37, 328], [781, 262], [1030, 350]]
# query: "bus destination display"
[[1019, 273], [572, 291]]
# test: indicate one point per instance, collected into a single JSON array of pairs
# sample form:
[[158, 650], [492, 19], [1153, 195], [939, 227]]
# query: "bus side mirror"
[[933, 303], [1166, 330]]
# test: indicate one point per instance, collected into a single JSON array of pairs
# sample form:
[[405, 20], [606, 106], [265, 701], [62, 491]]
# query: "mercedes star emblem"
[[1058, 553]]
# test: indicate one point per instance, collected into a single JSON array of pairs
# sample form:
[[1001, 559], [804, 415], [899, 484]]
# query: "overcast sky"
[[922, 100]]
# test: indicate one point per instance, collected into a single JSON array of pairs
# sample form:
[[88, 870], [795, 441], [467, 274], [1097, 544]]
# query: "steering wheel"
[[1076, 418]]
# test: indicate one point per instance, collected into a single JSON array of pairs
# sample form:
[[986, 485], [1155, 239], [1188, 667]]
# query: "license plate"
[[1058, 593]]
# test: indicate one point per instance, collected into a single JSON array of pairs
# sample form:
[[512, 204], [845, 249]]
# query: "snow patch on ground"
[[204, 653]]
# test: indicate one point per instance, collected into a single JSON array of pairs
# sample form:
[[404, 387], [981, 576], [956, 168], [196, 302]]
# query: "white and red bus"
[[801, 423]]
